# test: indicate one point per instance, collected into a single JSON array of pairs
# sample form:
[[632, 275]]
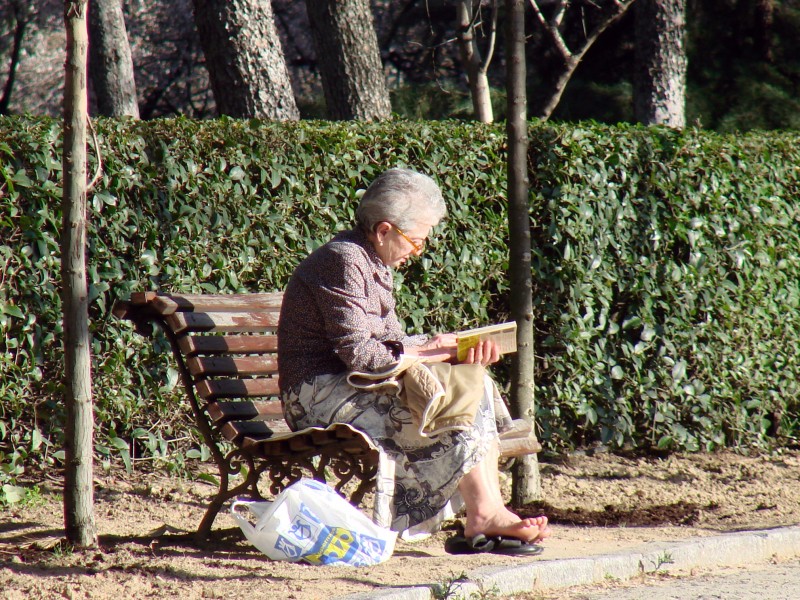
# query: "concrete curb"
[[727, 550]]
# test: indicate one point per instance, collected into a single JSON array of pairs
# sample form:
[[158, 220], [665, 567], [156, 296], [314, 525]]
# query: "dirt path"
[[598, 504]]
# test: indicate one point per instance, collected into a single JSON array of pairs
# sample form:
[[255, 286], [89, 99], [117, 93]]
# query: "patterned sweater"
[[338, 313]]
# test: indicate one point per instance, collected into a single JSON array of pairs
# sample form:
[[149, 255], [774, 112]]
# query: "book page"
[[503, 334]]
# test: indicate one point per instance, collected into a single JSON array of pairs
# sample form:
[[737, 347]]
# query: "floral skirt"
[[418, 477]]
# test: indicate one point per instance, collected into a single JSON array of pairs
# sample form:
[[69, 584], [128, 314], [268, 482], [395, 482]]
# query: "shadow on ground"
[[679, 513]]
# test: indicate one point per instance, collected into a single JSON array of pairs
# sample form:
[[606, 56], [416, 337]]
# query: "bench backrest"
[[226, 349]]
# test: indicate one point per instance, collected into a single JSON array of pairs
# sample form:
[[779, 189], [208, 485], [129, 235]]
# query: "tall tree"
[[570, 31], [526, 484], [349, 60], [244, 59], [659, 82], [78, 480], [171, 75], [469, 19], [21, 14], [764, 21], [111, 63]]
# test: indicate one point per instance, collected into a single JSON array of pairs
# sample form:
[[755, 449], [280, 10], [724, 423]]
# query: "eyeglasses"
[[418, 248]]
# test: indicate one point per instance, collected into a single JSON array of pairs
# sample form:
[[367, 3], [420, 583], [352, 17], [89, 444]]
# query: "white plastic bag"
[[309, 521]]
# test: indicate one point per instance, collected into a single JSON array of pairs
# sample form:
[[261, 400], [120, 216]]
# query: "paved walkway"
[[768, 581], [727, 550]]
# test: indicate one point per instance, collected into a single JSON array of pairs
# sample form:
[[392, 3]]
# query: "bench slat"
[[167, 304], [228, 344], [519, 428], [519, 446], [221, 412], [304, 442], [236, 431], [256, 302], [250, 433], [220, 366], [212, 389], [234, 322]]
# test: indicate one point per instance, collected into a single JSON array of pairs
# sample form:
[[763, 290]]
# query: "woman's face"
[[394, 246]]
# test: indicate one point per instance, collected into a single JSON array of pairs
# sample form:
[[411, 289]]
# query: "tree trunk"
[[526, 484], [245, 59], [111, 65], [22, 17], [473, 63], [764, 20], [349, 59], [78, 480], [660, 71]]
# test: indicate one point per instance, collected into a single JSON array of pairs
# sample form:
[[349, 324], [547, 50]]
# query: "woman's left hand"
[[485, 353]]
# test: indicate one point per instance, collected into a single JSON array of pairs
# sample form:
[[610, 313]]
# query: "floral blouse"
[[338, 313]]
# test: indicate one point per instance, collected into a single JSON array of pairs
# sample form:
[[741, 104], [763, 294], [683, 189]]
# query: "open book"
[[503, 334]]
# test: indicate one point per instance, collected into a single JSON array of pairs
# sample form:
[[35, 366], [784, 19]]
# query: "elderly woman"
[[338, 316]]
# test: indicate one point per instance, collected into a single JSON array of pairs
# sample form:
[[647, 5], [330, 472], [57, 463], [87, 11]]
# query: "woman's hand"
[[444, 348], [485, 353], [440, 348]]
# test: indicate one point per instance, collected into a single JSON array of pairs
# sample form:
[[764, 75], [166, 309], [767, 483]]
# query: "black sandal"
[[495, 545]]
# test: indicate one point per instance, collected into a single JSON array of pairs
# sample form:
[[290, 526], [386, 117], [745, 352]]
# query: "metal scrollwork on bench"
[[283, 471], [232, 463]]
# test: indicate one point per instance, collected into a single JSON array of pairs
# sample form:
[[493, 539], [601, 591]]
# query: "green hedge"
[[665, 262], [668, 302]]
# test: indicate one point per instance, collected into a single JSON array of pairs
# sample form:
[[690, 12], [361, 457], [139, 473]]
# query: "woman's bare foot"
[[506, 523]]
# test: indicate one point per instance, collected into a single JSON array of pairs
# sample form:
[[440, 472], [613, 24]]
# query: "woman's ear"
[[381, 230]]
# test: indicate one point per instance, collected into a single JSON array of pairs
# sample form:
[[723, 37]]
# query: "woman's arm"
[[440, 348], [444, 348], [353, 304]]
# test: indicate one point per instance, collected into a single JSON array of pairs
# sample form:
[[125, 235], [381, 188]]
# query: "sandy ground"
[[598, 504]]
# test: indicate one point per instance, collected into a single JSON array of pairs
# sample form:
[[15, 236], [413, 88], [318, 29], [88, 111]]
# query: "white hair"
[[403, 198]]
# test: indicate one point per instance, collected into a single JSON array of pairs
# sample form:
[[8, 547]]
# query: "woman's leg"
[[486, 512]]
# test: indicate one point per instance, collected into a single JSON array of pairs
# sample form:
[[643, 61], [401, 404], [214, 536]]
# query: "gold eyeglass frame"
[[418, 248]]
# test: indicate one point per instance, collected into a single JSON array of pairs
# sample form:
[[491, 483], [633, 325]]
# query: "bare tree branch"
[[467, 16], [571, 58], [492, 38], [561, 10], [552, 31]]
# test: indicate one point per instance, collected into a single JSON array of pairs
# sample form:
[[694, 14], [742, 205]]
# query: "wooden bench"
[[225, 349]]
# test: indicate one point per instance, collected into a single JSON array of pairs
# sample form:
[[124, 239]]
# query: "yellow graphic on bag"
[[336, 546]]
